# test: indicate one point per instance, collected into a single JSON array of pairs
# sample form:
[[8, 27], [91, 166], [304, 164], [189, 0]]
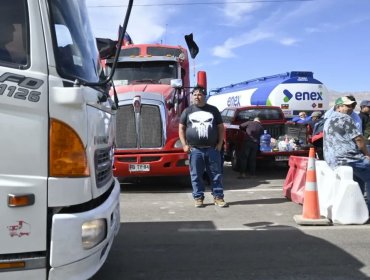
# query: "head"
[[365, 106], [302, 115], [315, 116], [6, 30], [199, 96], [345, 105], [257, 119], [353, 106]]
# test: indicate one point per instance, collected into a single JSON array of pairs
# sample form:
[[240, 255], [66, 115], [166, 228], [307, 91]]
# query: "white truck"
[[293, 92], [59, 200]]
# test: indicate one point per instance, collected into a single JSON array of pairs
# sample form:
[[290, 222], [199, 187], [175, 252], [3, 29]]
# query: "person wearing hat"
[[313, 119], [344, 143], [365, 118], [351, 112], [201, 132]]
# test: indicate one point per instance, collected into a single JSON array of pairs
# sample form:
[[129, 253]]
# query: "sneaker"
[[220, 202], [198, 202]]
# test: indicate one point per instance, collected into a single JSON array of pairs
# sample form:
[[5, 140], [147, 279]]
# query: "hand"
[[186, 148], [219, 147]]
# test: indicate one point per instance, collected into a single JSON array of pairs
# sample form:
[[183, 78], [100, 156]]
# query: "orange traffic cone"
[[311, 209]]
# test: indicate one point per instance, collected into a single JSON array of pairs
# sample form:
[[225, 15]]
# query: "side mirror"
[[176, 83]]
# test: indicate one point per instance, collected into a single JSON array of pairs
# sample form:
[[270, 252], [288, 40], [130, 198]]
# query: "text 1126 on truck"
[[152, 85], [59, 200], [293, 92]]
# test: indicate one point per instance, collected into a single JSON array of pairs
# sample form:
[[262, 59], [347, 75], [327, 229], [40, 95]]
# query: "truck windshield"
[[76, 53], [148, 71], [261, 113]]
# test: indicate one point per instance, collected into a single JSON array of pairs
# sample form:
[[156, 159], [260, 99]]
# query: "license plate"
[[139, 167], [281, 158]]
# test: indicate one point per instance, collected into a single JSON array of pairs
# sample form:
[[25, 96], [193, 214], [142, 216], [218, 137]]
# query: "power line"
[[200, 3]]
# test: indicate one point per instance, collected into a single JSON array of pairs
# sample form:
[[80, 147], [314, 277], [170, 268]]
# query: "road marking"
[[278, 228], [255, 190]]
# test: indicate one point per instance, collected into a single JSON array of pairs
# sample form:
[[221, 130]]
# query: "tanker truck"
[[293, 92]]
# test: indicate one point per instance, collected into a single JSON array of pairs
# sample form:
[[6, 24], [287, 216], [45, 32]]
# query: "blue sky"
[[243, 40]]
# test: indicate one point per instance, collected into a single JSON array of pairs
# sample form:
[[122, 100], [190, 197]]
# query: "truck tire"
[[235, 164]]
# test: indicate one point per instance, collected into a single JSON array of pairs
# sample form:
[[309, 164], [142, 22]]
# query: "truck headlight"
[[93, 232], [178, 144]]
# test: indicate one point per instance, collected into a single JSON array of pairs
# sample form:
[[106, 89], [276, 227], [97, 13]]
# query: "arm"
[[361, 144], [221, 131], [182, 136]]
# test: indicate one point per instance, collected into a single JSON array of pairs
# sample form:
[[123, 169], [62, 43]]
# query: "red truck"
[[273, 120], [153, 87]]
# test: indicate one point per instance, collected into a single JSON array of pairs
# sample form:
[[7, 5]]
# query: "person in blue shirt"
[[302, 118]]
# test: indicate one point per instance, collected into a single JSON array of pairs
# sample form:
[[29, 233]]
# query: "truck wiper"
[[144, 81]]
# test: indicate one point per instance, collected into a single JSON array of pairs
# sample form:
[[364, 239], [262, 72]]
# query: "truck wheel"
[[235, 165]]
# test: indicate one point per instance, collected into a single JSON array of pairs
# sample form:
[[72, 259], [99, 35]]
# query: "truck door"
[[24, 132]]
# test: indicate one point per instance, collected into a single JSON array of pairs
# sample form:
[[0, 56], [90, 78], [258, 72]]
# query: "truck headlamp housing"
[[93, 232]]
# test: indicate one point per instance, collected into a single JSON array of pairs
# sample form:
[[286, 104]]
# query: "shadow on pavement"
[[196, 250]]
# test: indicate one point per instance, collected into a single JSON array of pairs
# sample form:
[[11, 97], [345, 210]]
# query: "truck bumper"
[[68, 259], [34, 274], [281, 155], [164, 164]]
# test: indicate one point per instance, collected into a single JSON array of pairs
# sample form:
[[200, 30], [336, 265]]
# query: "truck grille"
[[103, 166], [149, 132]]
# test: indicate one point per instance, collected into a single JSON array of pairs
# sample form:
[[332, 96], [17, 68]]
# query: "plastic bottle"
[[265, 142], [287, 144]]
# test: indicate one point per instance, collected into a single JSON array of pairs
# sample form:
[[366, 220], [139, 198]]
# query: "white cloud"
[[147, 23], [225, 50], [276, 26], [237, 12], [288, 41]]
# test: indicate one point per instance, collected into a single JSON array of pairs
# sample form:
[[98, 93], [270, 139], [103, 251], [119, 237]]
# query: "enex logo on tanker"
[[305, 95]]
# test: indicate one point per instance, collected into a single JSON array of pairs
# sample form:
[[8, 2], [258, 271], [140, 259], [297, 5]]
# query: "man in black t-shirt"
[[251, 142], [201, 132]]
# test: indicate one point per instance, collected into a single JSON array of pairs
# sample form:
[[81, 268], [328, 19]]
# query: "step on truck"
[[59, 199], [293, 92], [152, 86]]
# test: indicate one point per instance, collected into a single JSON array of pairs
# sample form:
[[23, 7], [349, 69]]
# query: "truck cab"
[[152, 85], [60, 201]]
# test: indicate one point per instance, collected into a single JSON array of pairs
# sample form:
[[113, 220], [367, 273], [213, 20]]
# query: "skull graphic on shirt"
[[201, 121]]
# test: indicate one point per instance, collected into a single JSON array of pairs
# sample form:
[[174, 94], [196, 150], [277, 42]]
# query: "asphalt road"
[[163, 236]]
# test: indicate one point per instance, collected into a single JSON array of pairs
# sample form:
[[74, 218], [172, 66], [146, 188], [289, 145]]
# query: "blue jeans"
[[209, 159], [361, 174]]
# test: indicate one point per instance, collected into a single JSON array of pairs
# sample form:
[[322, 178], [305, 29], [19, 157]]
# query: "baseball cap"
[[365, 103], [316, 114], [344, 101]]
